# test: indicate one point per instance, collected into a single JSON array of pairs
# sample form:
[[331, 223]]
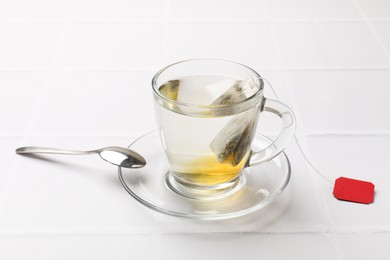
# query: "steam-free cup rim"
[[197, 106]]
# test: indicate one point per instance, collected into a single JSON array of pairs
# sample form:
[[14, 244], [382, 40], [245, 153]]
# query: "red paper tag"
[[354, 190]]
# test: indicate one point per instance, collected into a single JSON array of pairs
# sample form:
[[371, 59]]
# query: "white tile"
[[6, 9], [136, 10], [26, 45], [375, 8], [8, 160], [250, 246], [35, 10], [112, 45], [362, 158], [216, 10], [383, 30], [364, 246], [250, 44], [97, 103], [61, 194], [329, 45], [77, 247], [341, 101], [301, 46], [284, 9], [311, 9], [304, 212], [298, 209], [277, 80], [19, 93], [352, 45]]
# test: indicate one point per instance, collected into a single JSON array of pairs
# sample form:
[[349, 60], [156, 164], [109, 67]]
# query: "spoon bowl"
[[122, 157]]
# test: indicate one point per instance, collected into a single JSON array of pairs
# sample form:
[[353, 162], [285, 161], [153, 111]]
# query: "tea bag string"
[[299, 146]]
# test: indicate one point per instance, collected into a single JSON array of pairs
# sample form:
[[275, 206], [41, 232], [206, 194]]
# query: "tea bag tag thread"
[[345, 189], [353, 190]]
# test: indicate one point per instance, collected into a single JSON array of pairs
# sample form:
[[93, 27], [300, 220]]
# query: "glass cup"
[[207, 112]]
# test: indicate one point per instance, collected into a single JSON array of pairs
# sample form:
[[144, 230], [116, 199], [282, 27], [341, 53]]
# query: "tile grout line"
[[318, 196], [372, 29], [152, 69], [53, 62], [156, 235], [323, 43], [146, 21], [334, 241], [37, 108], [348, 134], [140, 69], [84, 69], [99, 135], [166, 28], [156, 245]]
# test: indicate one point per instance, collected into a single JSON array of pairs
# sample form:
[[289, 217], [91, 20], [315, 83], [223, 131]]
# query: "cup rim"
[[185, 104]]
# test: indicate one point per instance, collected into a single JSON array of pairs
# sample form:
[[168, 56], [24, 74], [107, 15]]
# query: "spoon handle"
[[36, 149]]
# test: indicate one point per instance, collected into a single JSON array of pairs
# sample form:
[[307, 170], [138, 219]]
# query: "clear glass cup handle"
[[285, 135]]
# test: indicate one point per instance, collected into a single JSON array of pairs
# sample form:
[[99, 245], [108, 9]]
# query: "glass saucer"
[[260, 184]]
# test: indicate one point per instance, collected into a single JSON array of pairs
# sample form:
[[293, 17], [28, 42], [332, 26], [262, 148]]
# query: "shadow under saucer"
[[260, 185]]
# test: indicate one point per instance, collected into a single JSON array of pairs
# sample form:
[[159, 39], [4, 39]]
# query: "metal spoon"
[[116, 155]]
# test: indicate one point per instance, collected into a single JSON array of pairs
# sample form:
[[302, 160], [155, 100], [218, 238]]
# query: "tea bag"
[[245, 139], [233, 140], [219, 88], [203, 90], [240, 90], [170, 89]]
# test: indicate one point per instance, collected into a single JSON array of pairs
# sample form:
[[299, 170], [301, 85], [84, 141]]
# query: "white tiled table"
[[76, 74]]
